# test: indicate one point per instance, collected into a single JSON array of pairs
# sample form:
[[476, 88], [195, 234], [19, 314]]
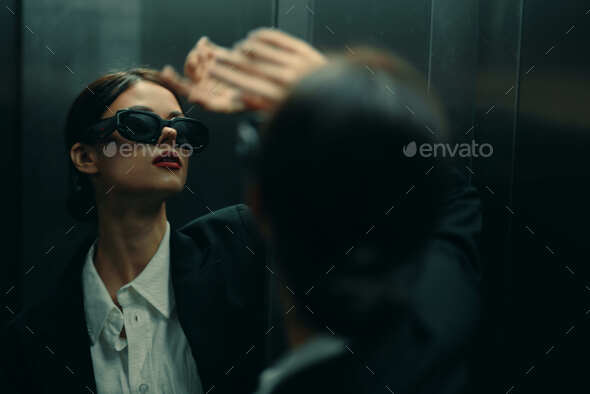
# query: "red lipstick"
[[168, 159]]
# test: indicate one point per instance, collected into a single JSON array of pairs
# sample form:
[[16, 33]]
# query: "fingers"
[[211, 94], [247, 82], [216, 96], [277, 55], [261, 51], [191, 64], [287, 42], [198, 87], [280, 74], [221, 99], [179, 84], [219, 103], [255, 103], [253, 74], [199, 59]]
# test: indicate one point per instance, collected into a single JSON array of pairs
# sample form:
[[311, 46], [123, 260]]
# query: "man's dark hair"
[[346, 203]]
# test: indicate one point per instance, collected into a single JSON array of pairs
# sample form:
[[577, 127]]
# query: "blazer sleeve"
[[446, 295], [446, 292], [459, 227], [430, 352], [13, 366], [251, 231]]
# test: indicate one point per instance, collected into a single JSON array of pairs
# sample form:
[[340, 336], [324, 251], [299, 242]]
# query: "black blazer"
[[433, 348], [217, 265]]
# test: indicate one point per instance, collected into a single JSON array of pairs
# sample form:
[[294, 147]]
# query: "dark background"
[[513, 73]]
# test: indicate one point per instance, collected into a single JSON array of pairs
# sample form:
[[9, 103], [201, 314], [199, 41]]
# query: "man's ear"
[[254, 201], [84, 158]]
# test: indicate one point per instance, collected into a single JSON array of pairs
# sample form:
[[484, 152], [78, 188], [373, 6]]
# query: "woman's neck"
[[126, 243]]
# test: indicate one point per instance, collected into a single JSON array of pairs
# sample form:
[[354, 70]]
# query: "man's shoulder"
[[342, 373]]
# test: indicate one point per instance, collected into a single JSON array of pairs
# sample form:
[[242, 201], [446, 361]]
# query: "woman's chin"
[[165, 189], [171, 188]]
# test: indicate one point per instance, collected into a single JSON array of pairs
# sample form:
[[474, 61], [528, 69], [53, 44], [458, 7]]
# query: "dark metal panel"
[[452, 59], [65, 46], [496, 110], [10, 97], [400, 26], [551, 195], [296, 18]]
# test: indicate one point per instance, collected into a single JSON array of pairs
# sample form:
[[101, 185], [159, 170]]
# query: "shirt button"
[[144, 388]]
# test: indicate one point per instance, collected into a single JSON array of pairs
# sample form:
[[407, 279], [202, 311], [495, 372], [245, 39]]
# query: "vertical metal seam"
[[507, 267], [310, 24], [19, 262], [275, 13], [268, 351], [430, 45], [473, 107]]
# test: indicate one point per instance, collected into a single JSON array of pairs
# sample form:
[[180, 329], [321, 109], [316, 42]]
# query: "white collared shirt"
[[155, 356]]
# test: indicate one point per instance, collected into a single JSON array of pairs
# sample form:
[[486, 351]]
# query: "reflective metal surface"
[[512, 73]]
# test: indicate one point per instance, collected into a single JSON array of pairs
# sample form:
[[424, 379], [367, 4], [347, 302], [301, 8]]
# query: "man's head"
[[341, 202]]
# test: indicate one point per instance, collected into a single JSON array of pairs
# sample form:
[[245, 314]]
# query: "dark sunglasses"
[[145, 126]]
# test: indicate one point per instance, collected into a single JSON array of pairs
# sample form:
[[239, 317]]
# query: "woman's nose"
[[168, 136]]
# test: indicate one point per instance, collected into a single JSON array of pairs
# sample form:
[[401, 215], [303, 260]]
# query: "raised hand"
[[255, 74]]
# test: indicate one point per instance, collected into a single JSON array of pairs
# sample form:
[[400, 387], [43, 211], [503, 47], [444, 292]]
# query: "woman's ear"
[[84, 158]]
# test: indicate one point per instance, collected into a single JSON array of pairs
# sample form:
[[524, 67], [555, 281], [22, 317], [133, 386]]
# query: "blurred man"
[[376, 242]]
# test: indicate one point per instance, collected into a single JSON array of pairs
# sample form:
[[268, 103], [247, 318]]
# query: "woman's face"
[[128, 167]]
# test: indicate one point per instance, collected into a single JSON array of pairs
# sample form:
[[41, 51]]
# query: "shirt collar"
[[153, 284], [316, 349], [97, 301]]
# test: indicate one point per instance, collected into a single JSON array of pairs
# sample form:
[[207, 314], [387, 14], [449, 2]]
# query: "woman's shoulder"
[[232, 214], [226, 241], [232, 223]]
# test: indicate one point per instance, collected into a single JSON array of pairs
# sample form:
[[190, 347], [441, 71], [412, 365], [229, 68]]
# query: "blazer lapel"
[[199, 292], [65, 330]]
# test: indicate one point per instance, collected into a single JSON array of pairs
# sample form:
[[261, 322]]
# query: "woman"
[[141, 307]]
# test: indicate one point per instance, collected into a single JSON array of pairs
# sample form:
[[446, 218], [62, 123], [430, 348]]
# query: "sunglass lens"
[[192, 132], [139, 127]]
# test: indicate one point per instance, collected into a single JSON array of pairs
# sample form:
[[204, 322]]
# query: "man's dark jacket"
[[432, 349]]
